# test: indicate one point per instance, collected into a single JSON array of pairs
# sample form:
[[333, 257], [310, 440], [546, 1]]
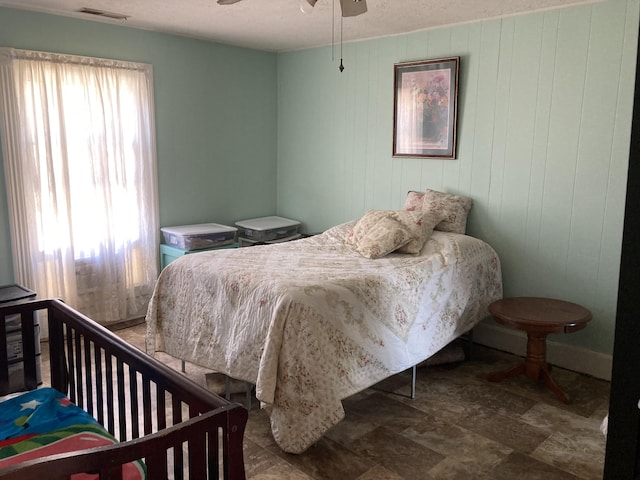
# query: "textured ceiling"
[[279, 25]]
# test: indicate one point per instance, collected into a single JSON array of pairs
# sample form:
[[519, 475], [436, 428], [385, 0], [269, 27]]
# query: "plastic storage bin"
[[197, 237], [266, 229], [13, 339]]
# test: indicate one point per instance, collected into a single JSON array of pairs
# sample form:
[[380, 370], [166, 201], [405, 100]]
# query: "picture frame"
[[425, 108]]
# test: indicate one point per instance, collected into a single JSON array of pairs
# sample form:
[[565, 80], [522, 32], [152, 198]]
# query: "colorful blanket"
[[45, 422]]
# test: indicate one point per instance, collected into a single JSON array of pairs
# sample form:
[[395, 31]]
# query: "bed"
[[312, 322], [140, 418]]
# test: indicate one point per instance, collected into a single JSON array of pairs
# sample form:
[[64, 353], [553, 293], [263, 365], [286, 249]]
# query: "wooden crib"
[[177, 428]]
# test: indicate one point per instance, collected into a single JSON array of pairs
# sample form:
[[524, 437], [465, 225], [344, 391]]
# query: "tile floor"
[[459, 426]]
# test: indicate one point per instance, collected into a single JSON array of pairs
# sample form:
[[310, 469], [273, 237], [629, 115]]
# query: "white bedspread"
[[312, 322]]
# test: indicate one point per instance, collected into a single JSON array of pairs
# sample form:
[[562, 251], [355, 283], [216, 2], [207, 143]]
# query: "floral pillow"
[[454, 210], [380, 232], [413, 201], [420, 225], [364, 225], [387, 235]]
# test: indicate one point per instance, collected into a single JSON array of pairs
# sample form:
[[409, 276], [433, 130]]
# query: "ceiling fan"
[[350, 8]]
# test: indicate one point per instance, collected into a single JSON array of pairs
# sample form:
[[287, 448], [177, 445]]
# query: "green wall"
[[545, 105], [543, 136], [216, 112]]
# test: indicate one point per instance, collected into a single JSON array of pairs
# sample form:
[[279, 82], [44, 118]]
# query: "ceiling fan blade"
[[227, 2], [352, 8]]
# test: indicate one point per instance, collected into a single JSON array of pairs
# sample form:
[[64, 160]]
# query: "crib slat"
[[59, 373], [88, 376], [161, 408], [214, 456], [29, 350], [156, 464], [197, 460], [71, 363], [97, 355], [122, 412], [178, 456], [133, 404], [79, 370], [146, 404], [110, 398]]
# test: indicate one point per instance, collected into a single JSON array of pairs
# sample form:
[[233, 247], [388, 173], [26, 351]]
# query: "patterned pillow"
[[413, 201], [364, 225], [420, 225], [386, 236], [454, 210], [380, 232]]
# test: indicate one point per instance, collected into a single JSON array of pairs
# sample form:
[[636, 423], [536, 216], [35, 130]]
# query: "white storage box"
[[266, 229], [196, 237]]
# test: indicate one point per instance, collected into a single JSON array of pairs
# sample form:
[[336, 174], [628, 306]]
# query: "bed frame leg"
[[183, 367], [413, 381], [469, 344], [468, 351]]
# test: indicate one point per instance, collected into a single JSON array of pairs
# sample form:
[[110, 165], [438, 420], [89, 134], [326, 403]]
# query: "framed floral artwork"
[[425, 108]]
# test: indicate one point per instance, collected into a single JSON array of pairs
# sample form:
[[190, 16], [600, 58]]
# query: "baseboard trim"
[[572, 358]]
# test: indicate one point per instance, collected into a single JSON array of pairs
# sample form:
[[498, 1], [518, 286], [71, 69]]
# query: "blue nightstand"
[[169, 253]]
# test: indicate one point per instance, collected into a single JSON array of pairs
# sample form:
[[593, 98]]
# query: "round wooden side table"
[[538, 317]]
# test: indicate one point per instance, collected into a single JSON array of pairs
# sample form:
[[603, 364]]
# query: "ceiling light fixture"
[[353, 8], [306, 6], [349, 8]]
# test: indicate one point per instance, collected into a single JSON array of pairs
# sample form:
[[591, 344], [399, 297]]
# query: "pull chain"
[[333, 30], [341, 67]]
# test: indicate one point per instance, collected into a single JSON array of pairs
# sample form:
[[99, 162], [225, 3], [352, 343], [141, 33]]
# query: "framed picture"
[[425, 108]]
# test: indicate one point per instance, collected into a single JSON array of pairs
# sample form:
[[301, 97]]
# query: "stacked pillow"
[[453, 208], [380, 232]]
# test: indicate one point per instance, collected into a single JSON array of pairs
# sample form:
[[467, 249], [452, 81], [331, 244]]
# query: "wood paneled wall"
[[544, 122]]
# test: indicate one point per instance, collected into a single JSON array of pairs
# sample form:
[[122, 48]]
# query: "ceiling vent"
[[102, 13]]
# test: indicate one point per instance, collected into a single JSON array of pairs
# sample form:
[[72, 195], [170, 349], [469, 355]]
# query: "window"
[[79, 150]]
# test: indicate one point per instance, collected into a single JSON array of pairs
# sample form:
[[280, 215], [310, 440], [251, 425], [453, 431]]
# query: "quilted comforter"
[[45, 422], [312, 322]]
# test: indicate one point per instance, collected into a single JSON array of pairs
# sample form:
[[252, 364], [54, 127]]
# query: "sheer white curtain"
[[79, 155]]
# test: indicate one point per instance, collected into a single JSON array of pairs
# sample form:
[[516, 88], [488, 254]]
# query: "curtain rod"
[[8, 53]]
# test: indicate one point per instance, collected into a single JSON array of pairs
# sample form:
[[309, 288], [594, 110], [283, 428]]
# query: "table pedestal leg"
[[535, 366]]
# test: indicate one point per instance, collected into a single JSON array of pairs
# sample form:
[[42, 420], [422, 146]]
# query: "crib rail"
[[178, 428]]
